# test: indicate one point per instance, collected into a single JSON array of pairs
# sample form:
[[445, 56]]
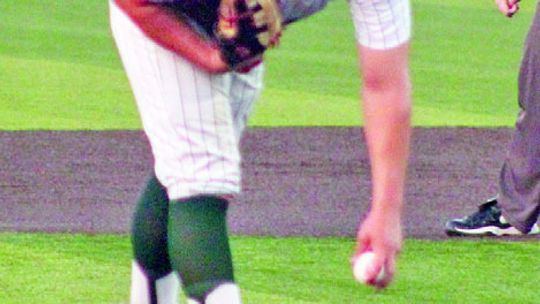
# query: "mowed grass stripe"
[[45, 94], [62, 268], [465, 63], [465, 57], [69, 31]]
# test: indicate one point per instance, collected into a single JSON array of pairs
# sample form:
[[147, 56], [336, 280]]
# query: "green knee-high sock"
[[149, 230], [199, 245]]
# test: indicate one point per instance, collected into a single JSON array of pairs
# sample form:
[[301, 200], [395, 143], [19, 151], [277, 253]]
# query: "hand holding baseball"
[[366, 268], [378, 244]]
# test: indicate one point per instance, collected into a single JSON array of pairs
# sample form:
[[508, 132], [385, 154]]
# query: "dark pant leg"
[[519, 195]]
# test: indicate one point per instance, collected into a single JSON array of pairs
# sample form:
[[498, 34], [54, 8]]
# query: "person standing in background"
[[516, 209]]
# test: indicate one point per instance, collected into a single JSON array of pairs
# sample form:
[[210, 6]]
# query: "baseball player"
[[194, 109]]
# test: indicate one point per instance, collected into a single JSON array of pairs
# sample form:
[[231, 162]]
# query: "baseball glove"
[[246, 29]]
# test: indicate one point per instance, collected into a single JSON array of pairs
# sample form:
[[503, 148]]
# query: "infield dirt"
[[296, 181]]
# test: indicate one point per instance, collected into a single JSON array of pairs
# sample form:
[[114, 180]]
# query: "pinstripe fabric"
[[245, 90], [193, 120], [381, 24]]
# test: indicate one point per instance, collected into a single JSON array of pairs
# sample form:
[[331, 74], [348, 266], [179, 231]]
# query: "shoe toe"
[[452, 226], [455, 223], [534, 230]]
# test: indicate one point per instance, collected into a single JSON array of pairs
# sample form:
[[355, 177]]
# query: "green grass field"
[[59, 70], [40, 268]]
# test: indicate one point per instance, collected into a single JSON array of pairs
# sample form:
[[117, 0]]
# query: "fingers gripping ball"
[[363, 266], [246, 29]]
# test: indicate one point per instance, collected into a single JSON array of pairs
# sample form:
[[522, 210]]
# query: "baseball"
[[362, 263]]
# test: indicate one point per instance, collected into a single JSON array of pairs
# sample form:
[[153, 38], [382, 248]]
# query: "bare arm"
[[167, 30], [387, 111]]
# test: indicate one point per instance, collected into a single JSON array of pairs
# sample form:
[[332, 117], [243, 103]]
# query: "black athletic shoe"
[[487, 221]]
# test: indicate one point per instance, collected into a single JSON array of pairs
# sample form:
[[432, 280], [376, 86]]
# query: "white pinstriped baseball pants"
[[192, 119]]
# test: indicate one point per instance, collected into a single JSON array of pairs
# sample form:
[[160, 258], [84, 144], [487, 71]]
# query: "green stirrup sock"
[[199, 245], [149, 230]]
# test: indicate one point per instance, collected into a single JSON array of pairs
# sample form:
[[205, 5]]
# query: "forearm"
[[387, 116], [387, 131], [386, 100], [169, 31]]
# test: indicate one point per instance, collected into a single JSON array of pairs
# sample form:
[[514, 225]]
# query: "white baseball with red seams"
[[361, 266]]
